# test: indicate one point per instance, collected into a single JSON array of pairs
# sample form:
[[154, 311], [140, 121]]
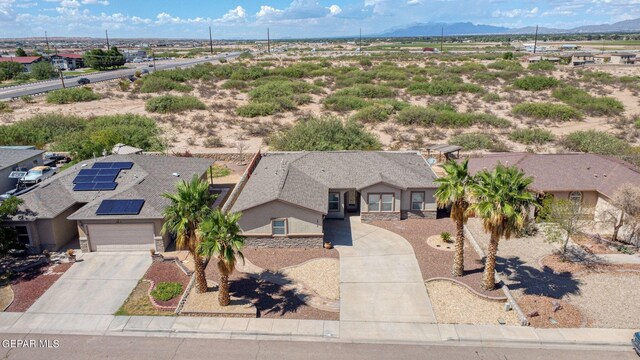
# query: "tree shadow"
[[533, 281], [268, 297]]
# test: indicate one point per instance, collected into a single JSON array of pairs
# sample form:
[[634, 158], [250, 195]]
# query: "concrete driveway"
[[380, 280], [98, 284]]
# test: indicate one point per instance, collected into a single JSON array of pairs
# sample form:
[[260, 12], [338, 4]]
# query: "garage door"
[[121, 237]]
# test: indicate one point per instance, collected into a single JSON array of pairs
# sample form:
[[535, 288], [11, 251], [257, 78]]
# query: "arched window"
[[576, 197]]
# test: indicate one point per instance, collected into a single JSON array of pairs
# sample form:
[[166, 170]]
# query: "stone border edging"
[[183, 299], [524, 321], [486, 297]]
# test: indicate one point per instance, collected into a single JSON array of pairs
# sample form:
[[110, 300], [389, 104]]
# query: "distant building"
[[26, 61], [569, 47], [132, 55], [623, 58], [582, 59], [123, 149], [602, 58], [535, 59], [67, 61]]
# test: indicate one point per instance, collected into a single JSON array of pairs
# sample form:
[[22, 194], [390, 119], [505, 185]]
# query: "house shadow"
[[268, 297], [534, 281], [338, 231]]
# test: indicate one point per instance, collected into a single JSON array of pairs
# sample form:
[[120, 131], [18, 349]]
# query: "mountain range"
[[467, 28]]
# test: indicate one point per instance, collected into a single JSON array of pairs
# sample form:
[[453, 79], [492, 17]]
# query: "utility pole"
[[535, 41], [106, 32], [442, 39], [268, 41], [46, 39], [61, 78], [153, 56], [210, 41], [360, 41]]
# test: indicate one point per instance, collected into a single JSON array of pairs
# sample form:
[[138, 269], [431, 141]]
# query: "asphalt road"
[[139, 348], [32, 89]]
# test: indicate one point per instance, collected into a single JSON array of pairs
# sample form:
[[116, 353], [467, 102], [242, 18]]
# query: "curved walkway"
[[380, 280]]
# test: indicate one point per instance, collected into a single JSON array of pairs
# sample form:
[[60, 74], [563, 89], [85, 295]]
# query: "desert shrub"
[[442, 87], [509, 65], [173, 104], [254, 109], [444, 115], [478, 141], [322, 134], [27, 99], [545, 110], [466, 68], [535, 136], [275, 95], [250, 73], [212, 142], [535, 83], [156, 84], [72, 95], [4, 107], [166, 291], [483, 76], [40, 129], [124, 85], [391, 74], [491, 97], [508, 55], [592, 141], [234, 84], [365, 62], [344, 103], [593, 105], [637, 123], [417, 115], [354, 77], [373, 114], [542, 66], [367, 91]]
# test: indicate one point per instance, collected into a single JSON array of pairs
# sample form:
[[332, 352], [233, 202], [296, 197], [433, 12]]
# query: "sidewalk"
[[315, 330]]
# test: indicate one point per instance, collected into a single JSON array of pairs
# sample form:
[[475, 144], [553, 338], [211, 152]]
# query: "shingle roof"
[[304, 178], [565, 172], [10, 157], [149, 178], [20, 59]]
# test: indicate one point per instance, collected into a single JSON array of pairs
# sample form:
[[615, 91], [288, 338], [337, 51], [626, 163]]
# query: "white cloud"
[[515, 13], [234, 15], [335, 9], [414, 2], [268, 11], [95, 2]]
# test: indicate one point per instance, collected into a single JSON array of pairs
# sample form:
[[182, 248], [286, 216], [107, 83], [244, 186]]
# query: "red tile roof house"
[[26, 61], [590, 179]]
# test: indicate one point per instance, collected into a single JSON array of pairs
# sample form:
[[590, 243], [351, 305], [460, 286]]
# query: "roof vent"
[[176, 174]]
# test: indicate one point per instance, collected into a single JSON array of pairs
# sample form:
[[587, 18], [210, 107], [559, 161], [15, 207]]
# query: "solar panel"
[[102, 165], [124, 165], [96, 175], [120, 207], [89, 172], [95, 186], [83, 179], [109, 172], [104, 178]]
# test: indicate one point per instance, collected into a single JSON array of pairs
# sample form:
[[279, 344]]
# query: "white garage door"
[[121, 237]]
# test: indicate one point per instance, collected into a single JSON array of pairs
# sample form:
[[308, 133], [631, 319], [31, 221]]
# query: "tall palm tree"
[[190, 204], [220, 236], [503, 200], [454, 191]]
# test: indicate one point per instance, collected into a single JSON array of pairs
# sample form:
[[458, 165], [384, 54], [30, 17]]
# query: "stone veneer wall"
[[284, 242], [417, 214], [367, 217], [84, 245]]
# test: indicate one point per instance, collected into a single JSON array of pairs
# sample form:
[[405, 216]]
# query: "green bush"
[[72, 95], [156, 84], [509, 65], [442, 87], [444, 115], [42, 71], [478, 141], [166, 291], [367, 91], [251, 110], [322, 134], [418, 115], [535, 136], [491, 97], [365, 62], [173, 104], [592, 141], [545, 110], [593, 105], [637, 123], [40, 130], [235, 84], [374, 114], [344, 103], [542, 66], [4, 107], [535, 83]]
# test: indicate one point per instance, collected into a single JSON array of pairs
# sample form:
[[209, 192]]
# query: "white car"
[[37, 174]]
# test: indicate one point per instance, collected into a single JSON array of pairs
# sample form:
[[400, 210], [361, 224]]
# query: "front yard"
[[24, 288]]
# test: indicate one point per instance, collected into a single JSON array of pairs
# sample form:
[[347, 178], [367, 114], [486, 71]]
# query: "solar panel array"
[[120, 207], [101, 177]]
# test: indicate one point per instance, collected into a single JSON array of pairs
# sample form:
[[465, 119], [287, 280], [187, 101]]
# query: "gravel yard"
[[320, 275], [276, 259], [454, 304], [167, 272], [207, 303], [28, 287], [568, 316]]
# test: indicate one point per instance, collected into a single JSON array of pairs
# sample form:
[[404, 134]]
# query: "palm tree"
[[189, 206], [453, 191], [220, 236], [502, 199]]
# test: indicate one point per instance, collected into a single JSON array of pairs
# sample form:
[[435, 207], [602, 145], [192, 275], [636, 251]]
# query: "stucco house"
[[16, 159], [113, 203], [290, 194], [623, 58]]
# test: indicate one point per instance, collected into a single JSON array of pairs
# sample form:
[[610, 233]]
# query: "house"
[[113, 203], [565, 47], [26, 61], [15, 159], [580, 59], [290, 194], [137, 55], [123, 149], [590, 180], [538, 58], [602, 58], [67, 61], [623, 58]]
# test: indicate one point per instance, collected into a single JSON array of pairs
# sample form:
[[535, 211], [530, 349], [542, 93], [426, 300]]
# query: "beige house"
[[290, 194], [580, 59], [123, 211], [623, 58]]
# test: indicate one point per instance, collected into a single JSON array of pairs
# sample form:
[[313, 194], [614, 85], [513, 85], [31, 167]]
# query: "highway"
[[46, 86]]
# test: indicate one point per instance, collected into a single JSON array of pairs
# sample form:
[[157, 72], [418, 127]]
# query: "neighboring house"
[[587, 179], [16, 160], [566, 47], [67, 61], [582, 59], [602, 58], [535, 59], [120, 209], [123, 149], [137, 55], [290, 194], [26, 61], [623, 58]]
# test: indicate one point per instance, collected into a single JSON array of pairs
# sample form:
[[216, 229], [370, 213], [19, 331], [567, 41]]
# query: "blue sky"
[[287, 18]]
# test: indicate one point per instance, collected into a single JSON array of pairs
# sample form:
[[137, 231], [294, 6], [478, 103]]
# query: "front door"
[[352, 201]]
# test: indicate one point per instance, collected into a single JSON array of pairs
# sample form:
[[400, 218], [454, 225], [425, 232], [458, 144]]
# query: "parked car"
[[132, 78], [83, 81], [57, 157], [145, 71], [150, 65], [636, 342], [37, 174]]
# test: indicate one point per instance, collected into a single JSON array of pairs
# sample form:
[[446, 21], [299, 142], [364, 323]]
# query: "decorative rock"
[[533, 313]]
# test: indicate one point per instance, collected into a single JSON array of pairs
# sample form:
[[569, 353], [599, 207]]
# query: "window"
[[334, 201], [380, 202], [23, 234], [576, 198], [279, 227], [417, 200]]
